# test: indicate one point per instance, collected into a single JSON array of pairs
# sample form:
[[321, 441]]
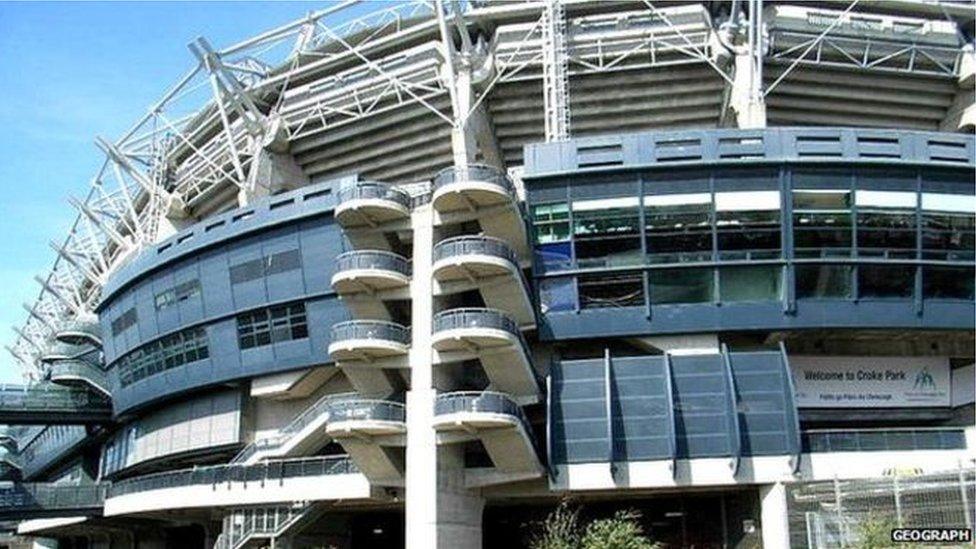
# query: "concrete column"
[[749, 107], [774, 515], [441, 513], [421, 473]]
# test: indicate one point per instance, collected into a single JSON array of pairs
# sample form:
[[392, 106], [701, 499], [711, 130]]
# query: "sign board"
[[870, 382]]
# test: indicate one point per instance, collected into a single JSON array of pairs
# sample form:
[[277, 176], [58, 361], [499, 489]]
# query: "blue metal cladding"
[[701, 406], [278, 251]]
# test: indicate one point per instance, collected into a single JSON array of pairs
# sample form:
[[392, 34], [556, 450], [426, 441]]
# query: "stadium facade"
[[412, 274]]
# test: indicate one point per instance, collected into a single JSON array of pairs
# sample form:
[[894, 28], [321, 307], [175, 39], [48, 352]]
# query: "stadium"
[[413, 274]]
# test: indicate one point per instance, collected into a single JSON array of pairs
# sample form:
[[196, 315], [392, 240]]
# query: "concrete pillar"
[[421, 474], [440, 512], [774, 515], [749, 106]]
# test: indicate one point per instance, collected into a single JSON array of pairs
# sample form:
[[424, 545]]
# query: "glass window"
[[886, 280], [948, 226], [282, 262], [551, 222], [822, 223], [272, 325], [823, 281], [682, 286], [606, 232], [948, 282], [555, 256], [611, 290], [886, 223], [748, 224], [181, 292], [125, 321], [168, 352], [758, 283], [557, 294], [678, 227]]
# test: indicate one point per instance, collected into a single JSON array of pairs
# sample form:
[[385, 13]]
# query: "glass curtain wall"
[[701, 239]]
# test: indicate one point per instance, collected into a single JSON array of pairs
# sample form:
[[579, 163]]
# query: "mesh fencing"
[[842, 513]]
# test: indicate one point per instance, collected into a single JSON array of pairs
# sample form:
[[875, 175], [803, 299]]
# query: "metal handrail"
[[469, 245], [77, 368], [371, 329], [235, 472], [367, 409], [478, 401], [373, 259], [372, 190], [473, 172], [50, 397], [321, 406], [472, 317], [87, 329], [60, 350], [487, 402], [46, 495]]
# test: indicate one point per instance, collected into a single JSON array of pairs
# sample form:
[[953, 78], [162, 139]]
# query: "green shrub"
[[621, 531], [561, 529]]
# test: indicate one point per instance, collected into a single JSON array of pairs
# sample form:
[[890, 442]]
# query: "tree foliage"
[[562, 529]]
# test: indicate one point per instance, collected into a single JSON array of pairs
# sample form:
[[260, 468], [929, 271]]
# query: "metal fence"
[[49, 397], [273, 471], [474, 172], [373, 259], [838, 513], [371, 329], [370, 190]]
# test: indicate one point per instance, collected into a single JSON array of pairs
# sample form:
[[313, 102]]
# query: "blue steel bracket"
[[735, 432], [672, 415], [791, 404], [608, 394], [551, 469]]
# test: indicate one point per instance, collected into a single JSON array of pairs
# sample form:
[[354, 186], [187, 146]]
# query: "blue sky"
[[69, 72]]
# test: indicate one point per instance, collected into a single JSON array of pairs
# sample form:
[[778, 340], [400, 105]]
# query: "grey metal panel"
[[665, 149], [810, 314]]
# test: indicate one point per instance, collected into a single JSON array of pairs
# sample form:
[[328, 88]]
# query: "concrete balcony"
[[483, 194], [373, 272], [368, 341], [493, 338], [373, 433], [361, 417], [471, 189], [368, 205], [488, 265], [79, 372], [366, 279], [494, 419], [81, 330], [63, 351]]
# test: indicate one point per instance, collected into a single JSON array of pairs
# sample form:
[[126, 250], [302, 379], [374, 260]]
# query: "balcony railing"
[[353, 409], [60, 350], [474, 172], [370, 329], [80, 369], [370, 190], [454, 319], [51, 398], [373, 259], [474, 245], [235, 472], [883, 440], [43, 496], [79, 331]]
